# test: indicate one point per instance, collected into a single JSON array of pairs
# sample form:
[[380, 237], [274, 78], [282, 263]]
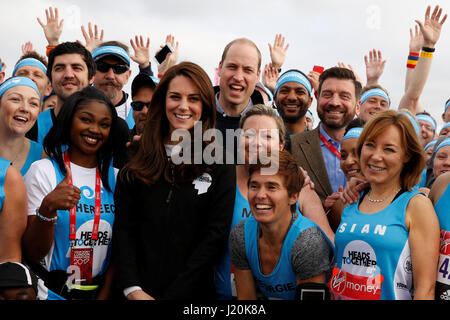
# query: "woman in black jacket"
[[173, 210]]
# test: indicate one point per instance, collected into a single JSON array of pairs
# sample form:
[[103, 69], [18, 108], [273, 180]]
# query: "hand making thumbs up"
[[64, 197]]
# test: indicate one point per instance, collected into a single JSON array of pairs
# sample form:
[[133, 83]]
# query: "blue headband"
[[413, 122], [111, 50], [444, 127], [18, 81], [374, 92], [29, 62], [293, 76], [311, 115], [269, 93], [446, 106], [426, 118], [352, 133], [444, 143], [430, 144]]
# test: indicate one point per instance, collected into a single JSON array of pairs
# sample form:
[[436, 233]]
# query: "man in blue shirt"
[[318, 151]]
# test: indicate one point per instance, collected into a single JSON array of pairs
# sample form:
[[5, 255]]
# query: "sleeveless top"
[[34, 154], [443, 276], [281, 283], [224, 279], [45, 123], [373, 259], [4, 165]]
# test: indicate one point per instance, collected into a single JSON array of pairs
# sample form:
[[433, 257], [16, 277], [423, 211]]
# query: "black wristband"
[[426, 49]]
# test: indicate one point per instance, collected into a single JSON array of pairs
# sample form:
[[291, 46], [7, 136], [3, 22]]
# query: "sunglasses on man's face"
[[117, 68], [139, 105]]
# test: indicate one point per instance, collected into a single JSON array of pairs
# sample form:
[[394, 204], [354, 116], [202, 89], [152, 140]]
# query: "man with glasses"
[[142, 89], [113, 71]]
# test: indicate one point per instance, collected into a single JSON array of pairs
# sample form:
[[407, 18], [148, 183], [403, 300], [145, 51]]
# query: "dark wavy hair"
[[150, 161], [59, 134], [341, 74], [69, 48]]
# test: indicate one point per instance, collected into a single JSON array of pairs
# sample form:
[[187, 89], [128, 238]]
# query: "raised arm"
[[278, 51], [270, 77], [415, 44], [53, 28], [171, 58], [374, 67], [93, 38], [141, 51], [431, 30]]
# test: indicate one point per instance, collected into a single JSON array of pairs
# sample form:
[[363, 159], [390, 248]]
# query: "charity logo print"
[[359, 276]]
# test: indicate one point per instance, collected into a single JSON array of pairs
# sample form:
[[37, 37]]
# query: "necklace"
[[381, 200], [19, 153]]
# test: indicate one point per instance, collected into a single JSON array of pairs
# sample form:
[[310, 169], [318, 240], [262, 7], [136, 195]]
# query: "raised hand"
[[141, 52], [278, 51], [171, 58], [431, 27], [343, 65], [374, 66], [53, 28], [415, 39], [27, 47], [93, 39], [313, 78], [270, 77]]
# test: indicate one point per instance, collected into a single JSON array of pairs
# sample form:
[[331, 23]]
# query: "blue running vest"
[[373, 259], [282, 282], [443, 276]]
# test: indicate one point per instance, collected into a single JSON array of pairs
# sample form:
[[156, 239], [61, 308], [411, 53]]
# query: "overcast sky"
[[320, 32]]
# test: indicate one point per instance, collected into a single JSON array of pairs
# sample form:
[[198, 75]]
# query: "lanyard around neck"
[[330, 147], [98, 203]]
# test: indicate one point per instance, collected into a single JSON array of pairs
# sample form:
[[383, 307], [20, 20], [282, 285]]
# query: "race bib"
[[83, 258]]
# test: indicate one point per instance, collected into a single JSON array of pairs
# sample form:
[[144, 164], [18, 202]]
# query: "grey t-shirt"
[[310, 255]]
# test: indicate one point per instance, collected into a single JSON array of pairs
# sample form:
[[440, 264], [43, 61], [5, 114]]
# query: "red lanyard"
[[98, 203], [330, 147]]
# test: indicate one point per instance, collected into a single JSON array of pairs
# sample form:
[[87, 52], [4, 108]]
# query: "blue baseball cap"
[[116, 51]]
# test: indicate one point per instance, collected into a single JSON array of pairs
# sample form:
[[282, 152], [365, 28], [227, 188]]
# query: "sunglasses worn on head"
[[117, 68], [139, 105]]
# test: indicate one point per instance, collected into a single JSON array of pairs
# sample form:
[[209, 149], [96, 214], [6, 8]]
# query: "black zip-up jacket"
[[167, 238]]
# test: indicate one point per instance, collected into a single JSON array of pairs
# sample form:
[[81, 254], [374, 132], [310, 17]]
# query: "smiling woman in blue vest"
[[277, 249], [387, 244]]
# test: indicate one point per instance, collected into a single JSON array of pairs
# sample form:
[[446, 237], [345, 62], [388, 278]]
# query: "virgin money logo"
[[445, 242], [339, 281]]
